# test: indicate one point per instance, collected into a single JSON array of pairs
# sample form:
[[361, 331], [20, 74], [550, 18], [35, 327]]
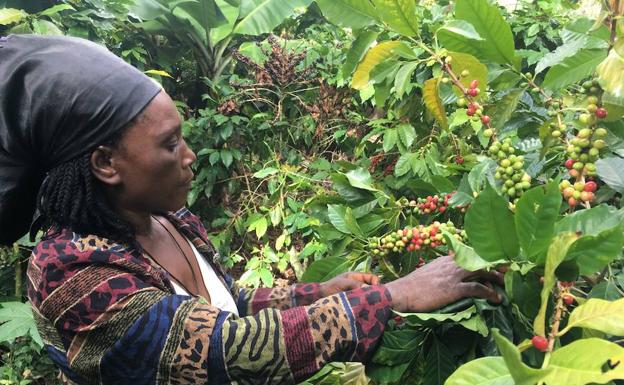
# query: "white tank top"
[[220, 296]]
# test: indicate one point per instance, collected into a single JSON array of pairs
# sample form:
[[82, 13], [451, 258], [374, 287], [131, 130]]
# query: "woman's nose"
[[189, 155]]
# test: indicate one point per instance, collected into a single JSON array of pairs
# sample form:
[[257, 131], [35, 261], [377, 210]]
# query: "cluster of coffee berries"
[[432, 204], [578, 192], [510, 170], [583, 150], [419, 237], [592, 87], [557, 130]]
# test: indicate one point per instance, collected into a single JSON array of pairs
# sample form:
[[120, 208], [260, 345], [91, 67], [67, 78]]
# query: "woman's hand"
[[439, 283], [348, 281]]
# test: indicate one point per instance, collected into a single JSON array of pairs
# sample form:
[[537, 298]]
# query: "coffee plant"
[[378, 135]]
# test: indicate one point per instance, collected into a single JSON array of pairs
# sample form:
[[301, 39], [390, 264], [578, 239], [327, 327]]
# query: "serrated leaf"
[[435, 318], [404, 164], [498, 43], [505, 108], [611, 171], [373, 57], [573, 69], [398, 346], [358, 49], [598, 314], [399, 15], [556, 254], [433, 102], [482, 371], [520, 372], [439, 364], [489, 225], [585, 361], [536, 213]]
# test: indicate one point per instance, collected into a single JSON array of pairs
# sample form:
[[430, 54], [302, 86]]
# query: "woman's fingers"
[[476, 289], [367, 278], [489, 276]]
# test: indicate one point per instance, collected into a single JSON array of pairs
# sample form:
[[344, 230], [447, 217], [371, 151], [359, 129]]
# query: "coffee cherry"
[[461, 102], [601, 113], [473, 92], [488, 133], [600, 133], [587, 196], [569, 163], [568, 299], [585, 118], [599, 144], [485, 119], [572, 202], [474, 83], [556, 134], [465, 73], [470, 111], [540, 343], [590, 186], [592, 100]]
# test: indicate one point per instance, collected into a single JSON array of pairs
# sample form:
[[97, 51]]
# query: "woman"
[[124, 284]]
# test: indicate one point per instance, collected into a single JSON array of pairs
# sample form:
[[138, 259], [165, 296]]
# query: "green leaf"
[[11, 15], [158, 73], [593, 252], [433, 102], [44, 27], [226, 157], [460, 28], [205, 13], [373, 57], [266, 277], [265, 172], [520, 372], [536, 213], [466, 62], [261, 226], [390, 139], [231, 13], [482, 371], [598, 314], [585, 361], [398, 346], [55, 9], [439, 363], [358, 49], [476, 324], [573, 69], [361, 178], [404, 77], [407, 134], [611, 70], [610, 171], [505, 108], [556, 254], [404, 164], [435, 318], [498, 44], [399, 15], [465, 256], [16, 320], [325, 269], [348, 13], [343, 219], [267, 15], [590, 221], [489, 225]]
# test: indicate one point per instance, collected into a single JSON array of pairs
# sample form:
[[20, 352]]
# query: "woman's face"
[[153, 161]]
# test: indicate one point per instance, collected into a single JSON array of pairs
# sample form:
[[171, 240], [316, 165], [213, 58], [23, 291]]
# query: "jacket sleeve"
[[251, 301], [104, 324]]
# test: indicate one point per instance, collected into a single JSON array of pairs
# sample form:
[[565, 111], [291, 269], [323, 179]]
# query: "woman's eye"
[[172, 145]]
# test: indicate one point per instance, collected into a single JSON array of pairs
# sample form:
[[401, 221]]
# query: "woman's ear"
[[103, 167]]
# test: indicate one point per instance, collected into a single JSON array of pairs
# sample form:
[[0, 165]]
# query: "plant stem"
[[18, 271]]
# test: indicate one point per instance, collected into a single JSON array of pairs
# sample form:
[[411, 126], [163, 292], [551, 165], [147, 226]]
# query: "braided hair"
[[71, 197]]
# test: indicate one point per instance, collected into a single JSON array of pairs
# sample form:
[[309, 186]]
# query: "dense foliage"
[[377, 135]]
